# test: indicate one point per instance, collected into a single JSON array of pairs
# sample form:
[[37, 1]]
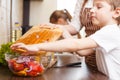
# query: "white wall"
[[66, 4], [17, 11], [4, 21], [41, 10]]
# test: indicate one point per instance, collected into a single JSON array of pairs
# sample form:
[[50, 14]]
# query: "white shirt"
[[75, 22], [108, 52]]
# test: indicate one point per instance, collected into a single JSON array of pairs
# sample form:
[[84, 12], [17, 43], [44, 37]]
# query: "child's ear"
[[61, 21], [117, 12]]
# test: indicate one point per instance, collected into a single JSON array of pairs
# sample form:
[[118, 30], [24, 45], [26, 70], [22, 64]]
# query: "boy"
[[106, 41]]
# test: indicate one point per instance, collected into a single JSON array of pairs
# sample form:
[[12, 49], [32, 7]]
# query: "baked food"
[[39, 34]]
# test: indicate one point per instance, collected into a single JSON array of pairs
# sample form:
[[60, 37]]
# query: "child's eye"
[[99, 7]]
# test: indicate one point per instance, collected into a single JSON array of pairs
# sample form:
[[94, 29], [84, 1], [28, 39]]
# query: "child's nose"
[[92, 10]]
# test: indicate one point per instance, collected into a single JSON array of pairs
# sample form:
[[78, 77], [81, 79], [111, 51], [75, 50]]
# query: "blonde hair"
[[115, 4]]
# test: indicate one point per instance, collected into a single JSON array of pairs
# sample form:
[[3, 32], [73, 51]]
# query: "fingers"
[[16, 44], [21, 48], [18, 47], [49, 26]]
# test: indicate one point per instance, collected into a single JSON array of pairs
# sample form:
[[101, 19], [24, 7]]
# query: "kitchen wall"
[[41, 10], [67, 4], [6, 22], [17, 12]]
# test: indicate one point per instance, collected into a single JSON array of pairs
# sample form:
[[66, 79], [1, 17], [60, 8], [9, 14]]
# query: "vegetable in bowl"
[[32, 65], [25, 65], [5, 48]]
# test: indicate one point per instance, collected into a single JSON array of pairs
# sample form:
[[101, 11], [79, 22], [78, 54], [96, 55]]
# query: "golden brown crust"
[[39, 34]]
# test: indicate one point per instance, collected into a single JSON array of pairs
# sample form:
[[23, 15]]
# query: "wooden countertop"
[[59, 73]]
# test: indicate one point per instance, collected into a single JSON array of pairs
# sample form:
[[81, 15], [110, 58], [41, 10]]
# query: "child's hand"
[[24, 49], [14, 47]]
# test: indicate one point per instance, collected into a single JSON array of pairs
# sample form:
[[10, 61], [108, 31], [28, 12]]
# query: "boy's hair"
[[60, 14], [114, 4]]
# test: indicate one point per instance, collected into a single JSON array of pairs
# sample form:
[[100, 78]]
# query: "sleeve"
[[75, 22], [106, 38]]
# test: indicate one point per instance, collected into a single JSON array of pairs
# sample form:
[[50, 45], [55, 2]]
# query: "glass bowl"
[[28, 65]]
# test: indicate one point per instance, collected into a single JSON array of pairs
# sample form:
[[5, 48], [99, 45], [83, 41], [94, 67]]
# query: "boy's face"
[[101, 13]]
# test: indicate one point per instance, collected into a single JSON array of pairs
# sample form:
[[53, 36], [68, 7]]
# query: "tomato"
[[32, 73], [40, 69], [36, 66], [32, 68], [18, 66], [11, 62], [36, 69]]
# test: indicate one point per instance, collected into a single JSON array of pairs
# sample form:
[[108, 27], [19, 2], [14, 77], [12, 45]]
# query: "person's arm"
[[85, 52], [66, 45], [75, 21], [71, 29], [69, 45]]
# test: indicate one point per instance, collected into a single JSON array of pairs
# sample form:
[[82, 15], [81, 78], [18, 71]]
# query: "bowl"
[[28, 65]]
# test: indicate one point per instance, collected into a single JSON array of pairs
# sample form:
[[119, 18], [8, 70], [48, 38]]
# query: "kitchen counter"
[[80, 72]]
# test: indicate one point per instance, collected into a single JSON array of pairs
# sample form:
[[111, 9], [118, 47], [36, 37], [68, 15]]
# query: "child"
[[62, 17], [106, 41]]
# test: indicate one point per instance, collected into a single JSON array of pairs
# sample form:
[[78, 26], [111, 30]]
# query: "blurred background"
[[27, 13]]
